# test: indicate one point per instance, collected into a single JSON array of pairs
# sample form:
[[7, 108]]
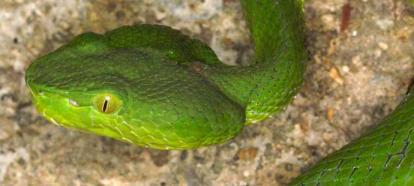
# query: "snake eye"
[[107, 103]]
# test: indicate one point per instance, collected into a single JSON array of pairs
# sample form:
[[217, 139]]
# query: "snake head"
[[136, 95]]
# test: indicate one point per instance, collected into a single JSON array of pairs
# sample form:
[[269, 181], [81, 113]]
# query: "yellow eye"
[[107, 103]]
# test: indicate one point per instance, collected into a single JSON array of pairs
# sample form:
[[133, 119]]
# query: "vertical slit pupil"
[[105, 105]]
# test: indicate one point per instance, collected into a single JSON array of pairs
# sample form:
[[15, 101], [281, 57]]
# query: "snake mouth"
[[54, 104], [64, 109]]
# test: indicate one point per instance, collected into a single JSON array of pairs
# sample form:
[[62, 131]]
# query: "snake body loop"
[[384, 156]]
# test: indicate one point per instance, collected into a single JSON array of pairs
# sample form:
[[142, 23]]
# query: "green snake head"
[[152, 86], [135, 95]]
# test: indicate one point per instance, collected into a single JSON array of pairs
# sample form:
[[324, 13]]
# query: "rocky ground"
[[359, 69]]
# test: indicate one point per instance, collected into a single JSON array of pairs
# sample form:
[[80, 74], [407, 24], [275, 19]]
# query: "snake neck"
[[279, 61]]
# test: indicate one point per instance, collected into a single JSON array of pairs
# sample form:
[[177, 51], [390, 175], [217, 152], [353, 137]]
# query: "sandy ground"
[[355, 77]]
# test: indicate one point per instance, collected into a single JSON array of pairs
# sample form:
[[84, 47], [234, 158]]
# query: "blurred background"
[[360, 65]]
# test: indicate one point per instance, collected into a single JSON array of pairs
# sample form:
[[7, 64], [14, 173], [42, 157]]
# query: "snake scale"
[[152, 86]]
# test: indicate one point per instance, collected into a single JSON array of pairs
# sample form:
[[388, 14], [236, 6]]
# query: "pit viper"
[[152, 86]]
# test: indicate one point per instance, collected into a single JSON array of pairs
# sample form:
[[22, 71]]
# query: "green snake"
[[152, 86]]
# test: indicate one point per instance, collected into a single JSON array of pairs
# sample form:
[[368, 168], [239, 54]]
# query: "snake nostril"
[[73, 102]]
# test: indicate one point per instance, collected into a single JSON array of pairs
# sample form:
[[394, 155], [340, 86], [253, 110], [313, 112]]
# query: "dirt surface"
[[356, 75]]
